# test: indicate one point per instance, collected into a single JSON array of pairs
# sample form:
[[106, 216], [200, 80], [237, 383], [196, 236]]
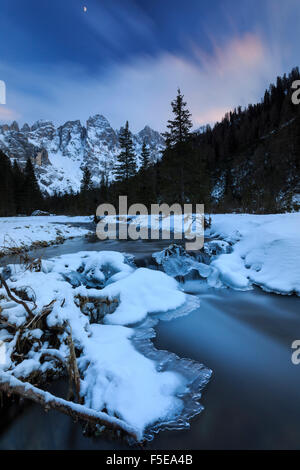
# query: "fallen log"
[[12, 386]]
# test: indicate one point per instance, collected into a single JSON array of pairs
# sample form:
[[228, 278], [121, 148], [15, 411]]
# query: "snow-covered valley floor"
[[106, 299], [23, 233], [99, 296]]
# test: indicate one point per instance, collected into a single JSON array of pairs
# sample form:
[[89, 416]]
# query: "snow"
[[243, 251], [67, 149], [162, 226], [266, 251], [115, 376], [2, 353], [24, 232], [69, 171], [142, 292], [125, 381]]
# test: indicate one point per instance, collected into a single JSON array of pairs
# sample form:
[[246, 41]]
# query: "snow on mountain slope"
[[61, 153]]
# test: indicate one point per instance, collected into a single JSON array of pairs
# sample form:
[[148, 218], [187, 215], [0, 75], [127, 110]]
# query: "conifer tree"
[[145, 182], [86, 181], [7, 203], [32, 196], [126, 160], [103, 189], [177, 142], [85, 196], [18, 178], [145, 157], [180, 126]]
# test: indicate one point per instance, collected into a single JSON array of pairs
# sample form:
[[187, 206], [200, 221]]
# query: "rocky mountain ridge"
[[61, 153]]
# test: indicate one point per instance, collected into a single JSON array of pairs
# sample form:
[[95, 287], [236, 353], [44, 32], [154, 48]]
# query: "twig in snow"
[[73, 368], [12, 297]]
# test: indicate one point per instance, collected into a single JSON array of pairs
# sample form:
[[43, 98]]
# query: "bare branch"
[[12, 297]]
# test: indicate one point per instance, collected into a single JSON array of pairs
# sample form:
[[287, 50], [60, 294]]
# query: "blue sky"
[[126, 58]]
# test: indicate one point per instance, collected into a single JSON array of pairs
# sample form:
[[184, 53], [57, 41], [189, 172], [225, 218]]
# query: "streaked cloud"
[[126, 58], [233, 71], [140, 91], [8, 115]]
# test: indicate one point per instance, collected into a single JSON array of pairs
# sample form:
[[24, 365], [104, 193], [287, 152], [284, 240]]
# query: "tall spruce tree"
[[85, 196], [86, 181], [180, 126], [126, 160], [177, 142], [145, 157], [145, 181]]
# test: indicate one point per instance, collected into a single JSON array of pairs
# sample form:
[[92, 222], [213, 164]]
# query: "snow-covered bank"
[[115, 377], [244, 250], [266, 251], [22, 233]]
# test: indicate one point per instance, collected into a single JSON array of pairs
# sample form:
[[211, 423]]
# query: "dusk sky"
[[125, 58]]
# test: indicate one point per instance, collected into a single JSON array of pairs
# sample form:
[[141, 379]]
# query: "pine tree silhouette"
[[126, 160], [86, 182], [177, 139], [145, 157]]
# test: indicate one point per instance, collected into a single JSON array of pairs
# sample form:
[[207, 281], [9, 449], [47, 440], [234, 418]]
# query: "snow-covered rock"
[[176, 262], [266, 251], [217, 247], [40, 213]]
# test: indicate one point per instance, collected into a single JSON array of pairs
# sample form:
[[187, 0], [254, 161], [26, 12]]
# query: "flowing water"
[[252, 400]]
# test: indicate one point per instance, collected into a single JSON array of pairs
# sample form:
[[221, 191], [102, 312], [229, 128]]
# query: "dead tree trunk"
[[10, 385]]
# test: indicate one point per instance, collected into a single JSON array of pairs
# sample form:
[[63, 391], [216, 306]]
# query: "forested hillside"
[[249, 162]]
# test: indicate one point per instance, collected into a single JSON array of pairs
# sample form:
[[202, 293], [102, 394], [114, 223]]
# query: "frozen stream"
[[252, 400]]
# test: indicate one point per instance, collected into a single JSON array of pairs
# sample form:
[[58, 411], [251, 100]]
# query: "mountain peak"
[[25, 128], [41, 123], [98, 120], [71, 124], [14, 126], [151, 137], [60, 153]]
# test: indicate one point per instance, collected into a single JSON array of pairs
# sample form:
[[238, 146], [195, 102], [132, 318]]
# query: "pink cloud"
[[246, 51], [7, 114], [210, 116], [236, 73]]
